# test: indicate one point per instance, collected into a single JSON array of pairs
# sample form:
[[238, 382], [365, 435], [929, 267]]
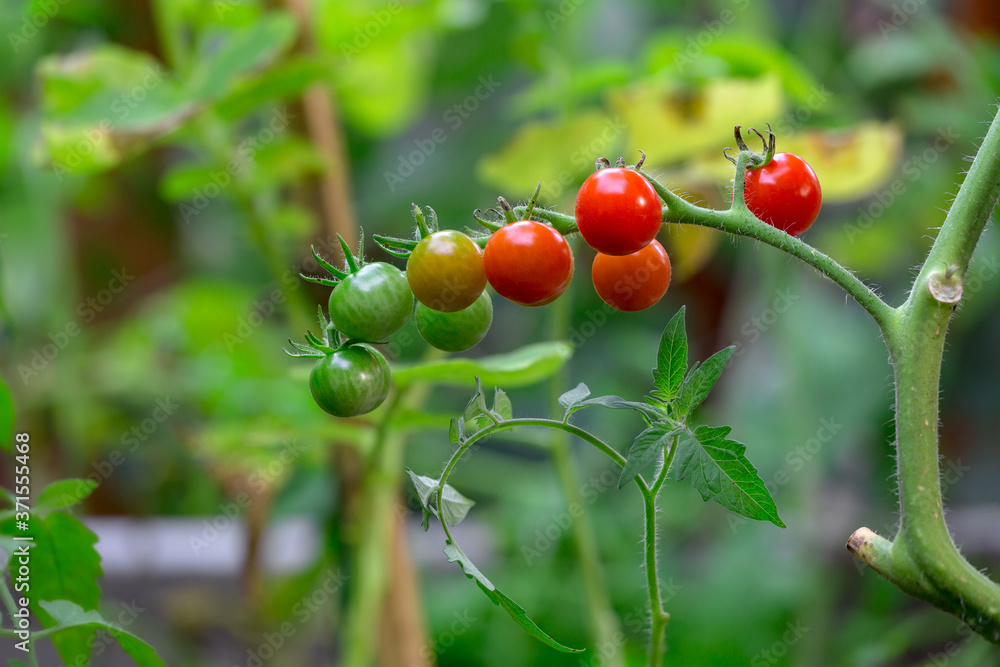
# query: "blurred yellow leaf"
[[690, 247], [851, 163], [558, 154], [670, 123]]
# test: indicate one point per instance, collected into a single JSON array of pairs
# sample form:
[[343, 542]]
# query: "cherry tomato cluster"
[[618, 213]]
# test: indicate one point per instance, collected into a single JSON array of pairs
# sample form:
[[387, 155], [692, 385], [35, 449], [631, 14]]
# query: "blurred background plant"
[[164, 167]]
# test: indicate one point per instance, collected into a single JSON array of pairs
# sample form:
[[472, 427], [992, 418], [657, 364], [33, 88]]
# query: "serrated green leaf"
[[671, 359], [699, 383], [650, 412], [454, 506], [502, 405], [241, 50], [646, 448], [281, 82], [525, 366], [64, 493], [574, 396], [69, 617], [456, 555], [64, 566], [720, 471], [6, 417]]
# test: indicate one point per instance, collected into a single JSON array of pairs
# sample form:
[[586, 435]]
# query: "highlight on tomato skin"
[[529, 263], [785, 193], [634, 282], [617, 211]]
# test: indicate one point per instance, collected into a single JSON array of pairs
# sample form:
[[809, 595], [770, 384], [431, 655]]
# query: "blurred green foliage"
[[166, 142]]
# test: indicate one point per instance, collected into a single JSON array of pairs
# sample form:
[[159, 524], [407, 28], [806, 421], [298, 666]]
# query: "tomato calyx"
[[427, 224], [353, 263], [328, 342], [755, 160]]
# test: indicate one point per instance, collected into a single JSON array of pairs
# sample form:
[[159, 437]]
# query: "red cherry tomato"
[[618, 211], [785, 193], [528, 263], [632, 282]]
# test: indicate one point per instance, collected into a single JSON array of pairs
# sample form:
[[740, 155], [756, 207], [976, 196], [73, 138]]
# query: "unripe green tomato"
[[351, 381], [372, 303], [445, 271], [458, 331]]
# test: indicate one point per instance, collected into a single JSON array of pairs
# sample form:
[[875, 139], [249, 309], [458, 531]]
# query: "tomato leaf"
[[454, 506], [646, 448], [502, 405], [238, 51], [720, 471], [524, 366], [456, 555], [650, 412], [69, 616], [64, 566], [64, 493], [573, 397], [699, 382], [671, 359]]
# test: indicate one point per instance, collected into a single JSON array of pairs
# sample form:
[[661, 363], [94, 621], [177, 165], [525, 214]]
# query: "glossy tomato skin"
[[350, 382], [372, 303], [785, 193], [528, 263], [458, 331], [618, 211], [445, 271], [632, 282]]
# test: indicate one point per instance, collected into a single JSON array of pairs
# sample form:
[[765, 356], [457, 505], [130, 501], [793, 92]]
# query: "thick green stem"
[[923, 559]]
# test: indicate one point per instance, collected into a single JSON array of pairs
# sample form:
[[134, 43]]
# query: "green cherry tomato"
[[372, 303], [457, 331], [350, 382], [445, 271]]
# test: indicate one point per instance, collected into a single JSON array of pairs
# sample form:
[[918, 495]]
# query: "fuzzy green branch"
[[923, 559], [658, 616]]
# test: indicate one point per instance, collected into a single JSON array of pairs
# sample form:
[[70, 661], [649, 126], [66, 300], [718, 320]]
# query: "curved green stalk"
[[659, 617]]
